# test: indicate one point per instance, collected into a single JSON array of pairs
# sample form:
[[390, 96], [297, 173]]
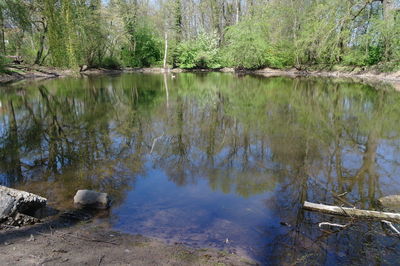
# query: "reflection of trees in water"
[[296, 133], [316, 171], [240, 134], [241, 129], [312, 137], [75, 137]]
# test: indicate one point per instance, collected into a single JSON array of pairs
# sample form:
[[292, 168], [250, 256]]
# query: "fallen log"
[[16, 59], [14, 202], [352, 212]]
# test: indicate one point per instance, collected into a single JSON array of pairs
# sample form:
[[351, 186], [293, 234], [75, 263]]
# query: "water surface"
[[213, 159]]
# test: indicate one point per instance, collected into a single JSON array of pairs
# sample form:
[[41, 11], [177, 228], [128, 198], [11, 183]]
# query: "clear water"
[[213, 160]]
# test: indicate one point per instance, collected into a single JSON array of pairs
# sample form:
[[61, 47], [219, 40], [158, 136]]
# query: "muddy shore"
[[67, 242]]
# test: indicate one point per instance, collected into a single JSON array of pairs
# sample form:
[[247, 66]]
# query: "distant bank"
[[24, 72]]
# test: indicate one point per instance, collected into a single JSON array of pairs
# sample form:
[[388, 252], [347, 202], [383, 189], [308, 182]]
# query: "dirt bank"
[[61, 242]]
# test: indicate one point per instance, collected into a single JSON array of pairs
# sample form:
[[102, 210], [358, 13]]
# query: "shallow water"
[[213, 159]]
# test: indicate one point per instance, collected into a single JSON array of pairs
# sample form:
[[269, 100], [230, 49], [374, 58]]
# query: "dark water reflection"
[[213, 159]]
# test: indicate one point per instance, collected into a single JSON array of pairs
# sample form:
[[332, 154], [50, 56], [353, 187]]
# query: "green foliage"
[[278, 34], [357, 57], [2, 63], [91, 27], [375, 54], [111, 63], [202, 52], [18, 13], [143, 48], [248, 46], [280, 56], [75, 33], [56, 35]]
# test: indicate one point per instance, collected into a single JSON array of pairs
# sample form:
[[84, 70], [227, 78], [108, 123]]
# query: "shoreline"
[[17, 73], [364, 76], [21, 73]]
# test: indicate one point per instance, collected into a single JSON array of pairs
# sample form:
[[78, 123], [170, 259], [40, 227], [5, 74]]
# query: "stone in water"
[[91, 199], [390, 201]]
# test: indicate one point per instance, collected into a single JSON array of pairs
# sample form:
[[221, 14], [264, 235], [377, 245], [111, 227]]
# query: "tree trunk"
[[166, 50], [39, 53], [178, 20], [237, 11], [2, 35]]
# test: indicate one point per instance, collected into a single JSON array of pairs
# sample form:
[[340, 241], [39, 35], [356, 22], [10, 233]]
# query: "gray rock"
[[7, 205], [390, 201], [91, 199], [13, 202]]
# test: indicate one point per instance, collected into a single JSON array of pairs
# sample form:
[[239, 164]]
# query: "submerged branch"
[[332, 224], [392, 227]]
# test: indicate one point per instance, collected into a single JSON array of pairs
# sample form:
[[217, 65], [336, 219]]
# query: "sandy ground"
[[61, 241]]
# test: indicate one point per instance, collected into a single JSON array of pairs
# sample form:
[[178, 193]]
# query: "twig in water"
[[391, 227], [154, 142], [338, 197], [343, 194], [334, 225], [341, 207]]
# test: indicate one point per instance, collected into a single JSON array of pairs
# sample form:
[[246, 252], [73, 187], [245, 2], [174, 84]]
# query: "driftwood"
[[352, 212], [332, 225], [391, 226], [17, 204]]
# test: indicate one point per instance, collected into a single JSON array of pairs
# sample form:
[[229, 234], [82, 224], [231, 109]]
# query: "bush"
[[280, 56], [111, 63], [357, 57], [375, 55], [201, 52], [3, 62], [247, 46], [143, 49]]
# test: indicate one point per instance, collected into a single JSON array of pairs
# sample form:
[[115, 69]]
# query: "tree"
[[2, 35]]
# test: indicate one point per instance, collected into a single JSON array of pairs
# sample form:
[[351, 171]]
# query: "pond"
[[213, 160]]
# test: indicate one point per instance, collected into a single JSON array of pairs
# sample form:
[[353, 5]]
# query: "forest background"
[[244, 34]]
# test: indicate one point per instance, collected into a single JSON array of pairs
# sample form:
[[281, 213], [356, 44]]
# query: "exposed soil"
[[63, 241]]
